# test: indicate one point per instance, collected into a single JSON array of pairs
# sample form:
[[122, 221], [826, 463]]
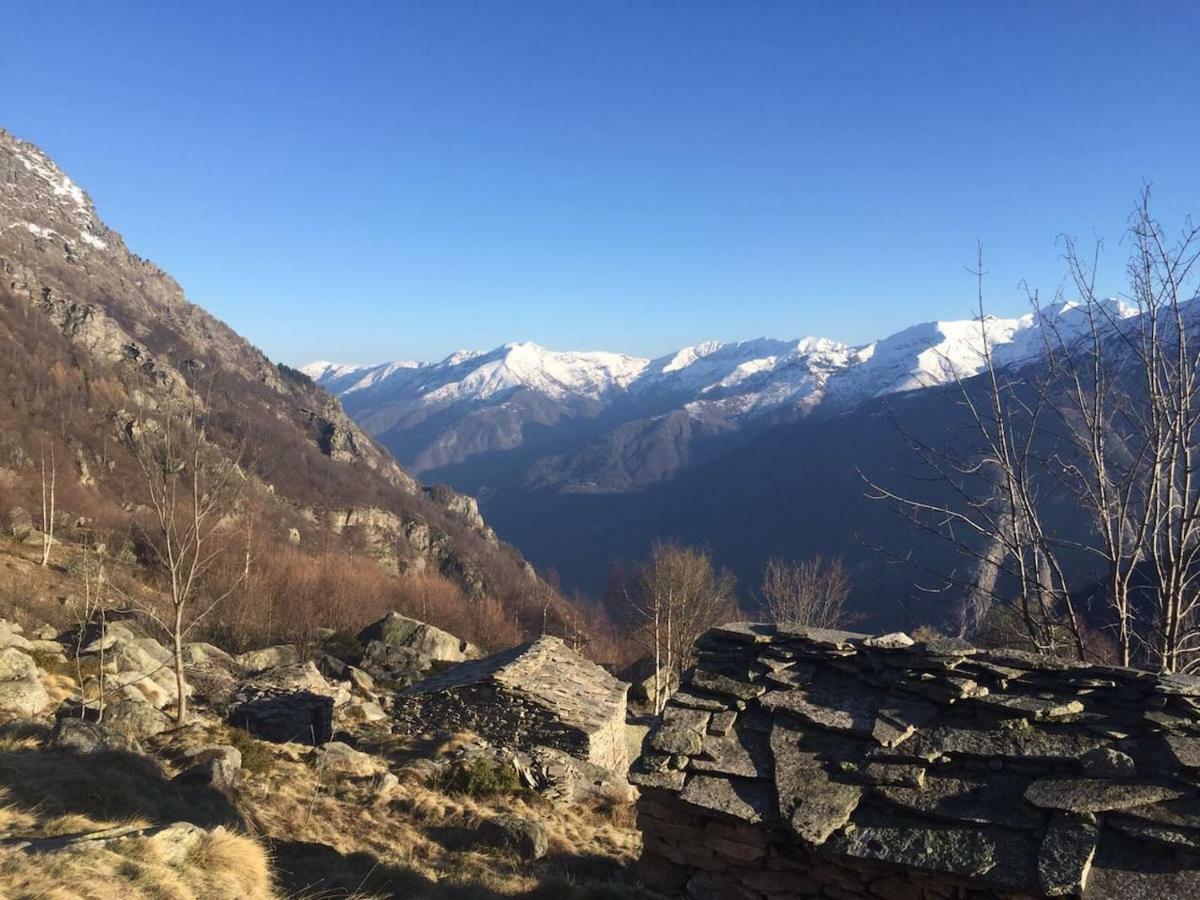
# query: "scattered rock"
[[524, 837], [255, 661], [335, 756], [83, 736], [219, 766]]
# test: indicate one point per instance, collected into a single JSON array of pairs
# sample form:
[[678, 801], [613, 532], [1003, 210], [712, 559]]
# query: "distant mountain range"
[[583, 458], [620, 411]]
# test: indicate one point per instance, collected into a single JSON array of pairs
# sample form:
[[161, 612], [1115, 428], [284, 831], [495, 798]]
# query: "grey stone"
[[990, 855], [255, 661], [219, 766], [990, 799], [744, 752], [668, 780], [812, 803], [1032, 707], [336, 756], [1159, 834], [682, 716], [725, 686], [138, 720], [82, 736], [1095, 795], [524, 837], [898, 774], [1025, 744], [897, 640], [752, 801], [675, 739], [1065, 857], [1186, 749], [1104, 762], [721, 723]]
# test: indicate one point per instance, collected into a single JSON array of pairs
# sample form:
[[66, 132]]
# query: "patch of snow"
[[93, 241]]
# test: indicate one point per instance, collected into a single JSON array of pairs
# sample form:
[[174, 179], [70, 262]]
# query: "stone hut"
[[537, 694], [812, 763]]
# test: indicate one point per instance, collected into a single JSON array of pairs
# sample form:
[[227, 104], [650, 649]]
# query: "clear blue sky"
[[366, 181]]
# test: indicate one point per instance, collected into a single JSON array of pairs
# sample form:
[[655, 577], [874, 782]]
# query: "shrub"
[[256, 758], [483, 778]]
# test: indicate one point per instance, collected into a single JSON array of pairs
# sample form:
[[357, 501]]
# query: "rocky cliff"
[[97, 341]]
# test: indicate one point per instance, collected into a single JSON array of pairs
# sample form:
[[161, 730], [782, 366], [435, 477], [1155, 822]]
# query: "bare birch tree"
[[190, 489], [48, 486], [1110, 417], [810, 592], [678, 596]]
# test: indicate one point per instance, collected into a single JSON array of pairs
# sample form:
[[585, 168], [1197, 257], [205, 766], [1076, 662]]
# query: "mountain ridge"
[[438, 414]]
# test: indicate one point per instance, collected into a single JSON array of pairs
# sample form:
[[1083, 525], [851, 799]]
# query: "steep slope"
[[95, 339]]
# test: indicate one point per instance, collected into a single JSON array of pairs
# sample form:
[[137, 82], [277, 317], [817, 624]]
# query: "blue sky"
[[366, 181]]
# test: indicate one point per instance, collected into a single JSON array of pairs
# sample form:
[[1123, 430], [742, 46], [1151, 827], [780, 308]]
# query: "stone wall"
[[538, 694], [810, 763]]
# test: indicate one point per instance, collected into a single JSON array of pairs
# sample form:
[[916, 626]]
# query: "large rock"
[[83, 736], [219, 766], [255, 661], [10, 637], [21, 692], [293, 703], [138, 720], [524, 837], [398, 645], [338, 757]]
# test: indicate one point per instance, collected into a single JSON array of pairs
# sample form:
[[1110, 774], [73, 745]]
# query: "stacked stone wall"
[[807, 763]]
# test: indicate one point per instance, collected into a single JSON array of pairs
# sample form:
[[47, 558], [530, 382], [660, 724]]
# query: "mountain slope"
[[96, 340], [603, 422]]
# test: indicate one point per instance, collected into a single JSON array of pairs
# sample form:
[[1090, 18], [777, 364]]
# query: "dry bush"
[[810, 593]]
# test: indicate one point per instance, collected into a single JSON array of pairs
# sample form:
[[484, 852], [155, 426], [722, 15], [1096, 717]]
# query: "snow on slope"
[[730, 379]]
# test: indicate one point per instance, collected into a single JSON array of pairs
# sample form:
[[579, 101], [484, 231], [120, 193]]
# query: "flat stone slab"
[[1032, 707], [812, 803], [751, 801], [675, 739], [992, 855], [744, 752], [1082, 795], [1186, 749], [843, 703], [1065, 857], [990, 799], [725, 686], [985, 743]]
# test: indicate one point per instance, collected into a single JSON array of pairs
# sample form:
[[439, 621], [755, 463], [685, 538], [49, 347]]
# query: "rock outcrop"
[[537, 694], [402, 650], [805, 762]]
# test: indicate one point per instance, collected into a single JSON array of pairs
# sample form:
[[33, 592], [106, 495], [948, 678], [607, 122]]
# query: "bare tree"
[[92, 611], [48, 485], [1109, 418], [190, 489], [811, 592], [677, 595]]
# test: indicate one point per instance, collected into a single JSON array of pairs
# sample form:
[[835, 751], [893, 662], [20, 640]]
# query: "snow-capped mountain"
[[471, 403]]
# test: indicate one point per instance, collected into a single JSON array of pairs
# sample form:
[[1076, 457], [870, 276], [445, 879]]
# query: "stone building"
[[537, 694], [811, 763]]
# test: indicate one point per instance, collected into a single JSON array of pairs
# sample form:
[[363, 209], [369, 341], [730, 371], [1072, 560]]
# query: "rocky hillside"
[[294, 776], [95, 342]]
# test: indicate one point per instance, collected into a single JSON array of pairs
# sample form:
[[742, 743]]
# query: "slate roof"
[[576, 690], [1022, 773]]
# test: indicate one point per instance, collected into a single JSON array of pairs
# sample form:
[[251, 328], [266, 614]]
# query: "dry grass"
[[223, 865], [48, 793]]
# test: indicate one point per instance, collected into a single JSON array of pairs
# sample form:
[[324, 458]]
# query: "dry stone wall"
[[812, 763], [540, 694]]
